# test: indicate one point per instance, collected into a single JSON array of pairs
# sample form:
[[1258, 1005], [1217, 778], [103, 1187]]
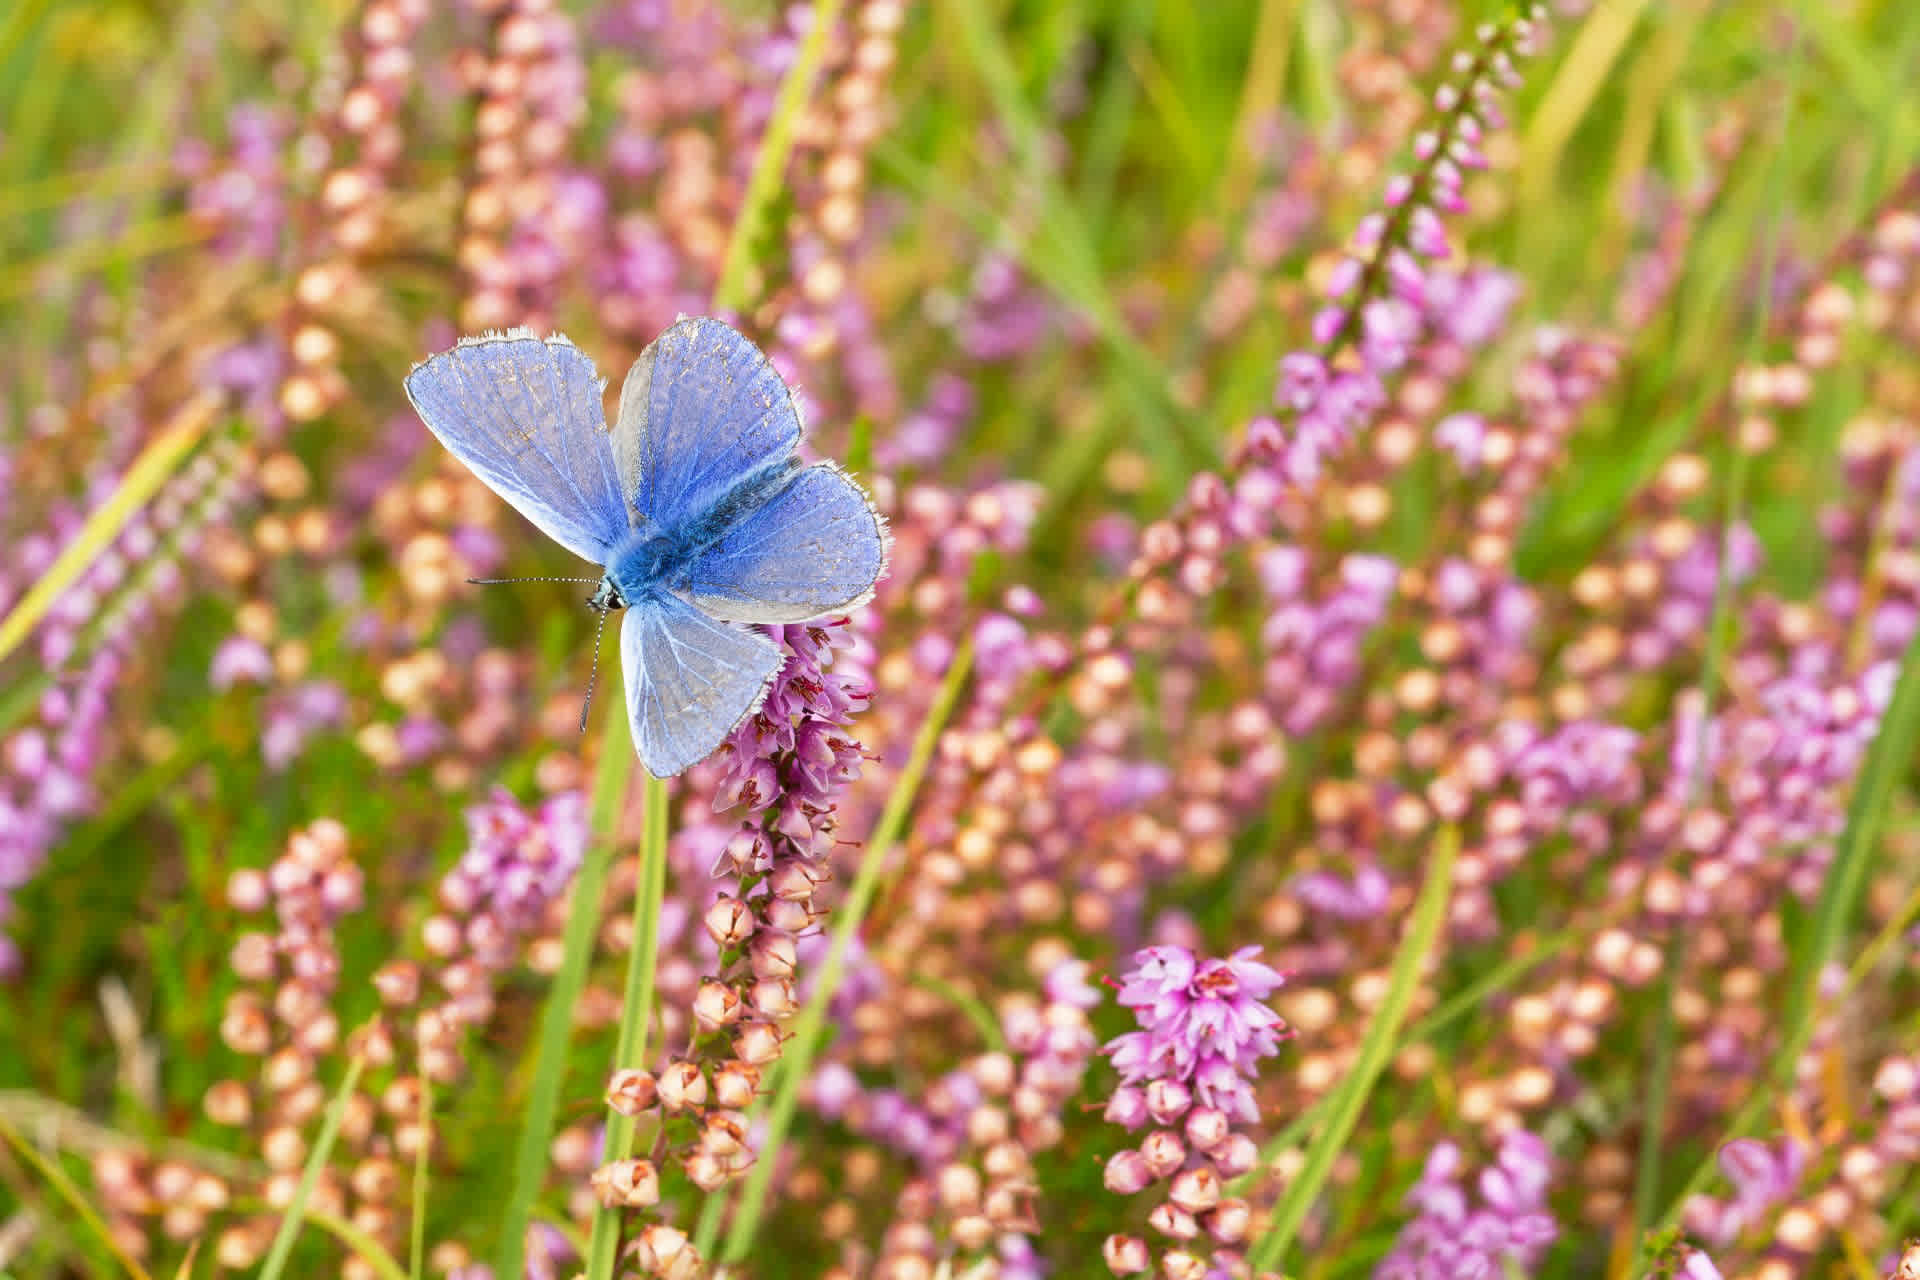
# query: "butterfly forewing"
[[690, 680], [701, 410], [814, 548], [525, 415]]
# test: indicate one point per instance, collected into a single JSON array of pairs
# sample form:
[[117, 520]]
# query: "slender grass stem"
[[65, 1188], [296, 1212], [556, 1021], [162, 457], [1346, 1102], [1720, 642], [636, 1011], [417, 1234], [730, 294]]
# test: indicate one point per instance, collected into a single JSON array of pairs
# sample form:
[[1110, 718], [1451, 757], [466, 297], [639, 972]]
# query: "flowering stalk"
[[796, 1065], [1189, 1071], [1375, 296]]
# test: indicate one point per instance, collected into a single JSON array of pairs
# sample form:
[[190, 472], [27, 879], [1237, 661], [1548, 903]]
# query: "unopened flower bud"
[[1235, 1156], [757, 1044], [682, 1086], [1195, 1190], [729, 923], [1126, 1255], [1168, 1100], [630, 1092], [1207, 1128], [1163, 1152], [1178, 1264], [1127, 1173], [735, 1085], [716, 1005], [1229, 1222], [1170, 1220], [632, 1184], [774, 998], [723, 1134], [772, 954], [665, 1251]]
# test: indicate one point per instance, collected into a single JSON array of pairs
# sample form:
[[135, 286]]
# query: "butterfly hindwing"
[[813, 548], [690, 679], [701, 410], [525, 415]]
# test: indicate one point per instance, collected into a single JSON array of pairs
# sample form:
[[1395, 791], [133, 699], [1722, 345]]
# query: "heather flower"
[[1451, 1236], [240, 659], [1193, 1013], [295, 715], [1762, 1176], [517, 862], [1189, 1072]]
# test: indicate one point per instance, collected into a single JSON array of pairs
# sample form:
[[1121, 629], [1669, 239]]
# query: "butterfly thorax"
[[649, 559]]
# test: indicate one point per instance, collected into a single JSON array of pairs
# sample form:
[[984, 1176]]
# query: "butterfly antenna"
[[492, 582], [593, 674]]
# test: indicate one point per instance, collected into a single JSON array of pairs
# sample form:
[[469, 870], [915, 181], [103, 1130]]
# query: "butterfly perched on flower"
[[694, 502]]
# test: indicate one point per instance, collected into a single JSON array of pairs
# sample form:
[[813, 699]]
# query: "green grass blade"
[[770, 166], [556, 1020], [158, 461], [1720, 642], [637, 1009], [316, 1161], [797, 1063], [1888, 762], [1065, 258], [147, 240], [66, 1189], [1376, 1051], [417, 1234], [363, 1245], [1584, 72], [101, 182]]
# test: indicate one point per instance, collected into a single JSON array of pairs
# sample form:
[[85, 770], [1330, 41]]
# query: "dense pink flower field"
[[1385, 746]]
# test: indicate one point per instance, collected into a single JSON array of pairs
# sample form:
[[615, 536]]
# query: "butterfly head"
[[606, 597]]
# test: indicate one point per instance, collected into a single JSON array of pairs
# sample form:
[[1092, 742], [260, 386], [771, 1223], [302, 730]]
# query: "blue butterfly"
[[694, 502]]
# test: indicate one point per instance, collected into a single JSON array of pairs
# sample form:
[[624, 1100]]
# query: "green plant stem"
[[164, 455], [1887, 763], [316, 1161], [1720, 641], [417, 1236], [556, 1020], [364, 1246], [797, 1062], [636, 1011], [65, 1188], [1376, 1051], [729, 294]]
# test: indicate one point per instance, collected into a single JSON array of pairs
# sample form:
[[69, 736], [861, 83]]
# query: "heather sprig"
[[1187, 1074]]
